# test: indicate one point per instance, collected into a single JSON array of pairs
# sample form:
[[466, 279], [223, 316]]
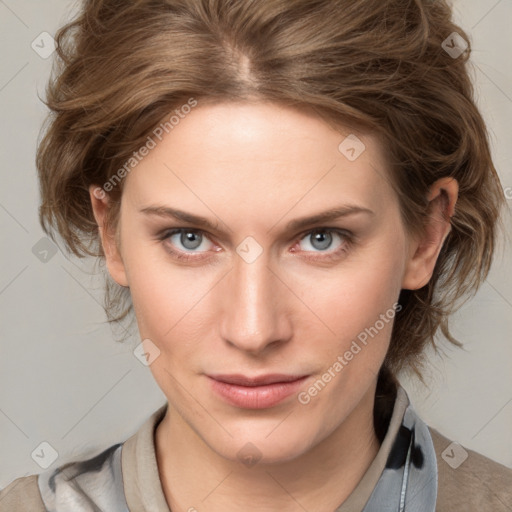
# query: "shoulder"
[[468, 480], [22, 494], [72, 486]]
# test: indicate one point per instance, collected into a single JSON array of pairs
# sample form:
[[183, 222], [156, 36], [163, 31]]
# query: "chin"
[[263, 445]]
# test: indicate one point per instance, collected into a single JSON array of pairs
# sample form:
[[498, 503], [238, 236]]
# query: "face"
[[256, 245]]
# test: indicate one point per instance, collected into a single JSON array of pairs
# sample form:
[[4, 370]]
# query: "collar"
[[402, 477]]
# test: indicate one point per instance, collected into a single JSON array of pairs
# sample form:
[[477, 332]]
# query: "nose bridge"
[[252, 313]]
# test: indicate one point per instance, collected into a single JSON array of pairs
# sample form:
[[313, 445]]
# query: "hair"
[[376, 65]]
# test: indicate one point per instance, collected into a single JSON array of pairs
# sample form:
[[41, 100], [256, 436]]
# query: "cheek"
[[170, 312], [356, 302], [166, 298], [353, 295]]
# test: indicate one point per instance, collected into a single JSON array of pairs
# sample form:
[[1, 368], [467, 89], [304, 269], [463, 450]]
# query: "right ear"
[[115, 265]]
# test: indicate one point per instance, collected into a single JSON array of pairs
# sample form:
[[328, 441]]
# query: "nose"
[[253, 309]]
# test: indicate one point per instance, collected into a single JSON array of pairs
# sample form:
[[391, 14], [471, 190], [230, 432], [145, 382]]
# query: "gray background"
[[64, 381]]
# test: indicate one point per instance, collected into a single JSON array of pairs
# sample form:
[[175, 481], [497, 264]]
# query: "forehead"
[[260, 155]]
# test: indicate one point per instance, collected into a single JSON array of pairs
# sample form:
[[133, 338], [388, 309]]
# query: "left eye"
[[188, 240], [321, 240]]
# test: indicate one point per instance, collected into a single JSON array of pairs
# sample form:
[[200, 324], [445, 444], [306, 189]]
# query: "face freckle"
[[255, 244]]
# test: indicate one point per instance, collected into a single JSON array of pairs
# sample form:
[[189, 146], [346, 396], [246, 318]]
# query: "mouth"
[[259, 392]]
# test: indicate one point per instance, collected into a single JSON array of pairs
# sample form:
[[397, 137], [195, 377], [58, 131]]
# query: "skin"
[[251, 168]]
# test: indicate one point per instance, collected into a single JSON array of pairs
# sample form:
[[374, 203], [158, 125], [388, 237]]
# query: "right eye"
[[187, 244]]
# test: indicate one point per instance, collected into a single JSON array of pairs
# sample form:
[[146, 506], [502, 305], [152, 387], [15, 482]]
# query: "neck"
[[194, 477]]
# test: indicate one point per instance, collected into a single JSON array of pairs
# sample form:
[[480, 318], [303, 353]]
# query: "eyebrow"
[[327, 216], [166, 212], [294, 225]]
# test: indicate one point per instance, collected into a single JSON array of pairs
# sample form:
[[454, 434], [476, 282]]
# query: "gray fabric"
[[409, 481], [93, 485]]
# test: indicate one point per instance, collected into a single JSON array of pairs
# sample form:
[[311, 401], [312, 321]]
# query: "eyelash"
[[348, 240]]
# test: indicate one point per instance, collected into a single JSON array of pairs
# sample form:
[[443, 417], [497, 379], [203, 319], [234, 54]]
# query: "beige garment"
[[477, 485]]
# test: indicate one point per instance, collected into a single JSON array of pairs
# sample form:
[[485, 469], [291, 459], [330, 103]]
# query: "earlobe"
[[113, 259], [424, 249]]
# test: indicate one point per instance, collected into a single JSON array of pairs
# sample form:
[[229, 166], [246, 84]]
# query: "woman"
[[294, 196]]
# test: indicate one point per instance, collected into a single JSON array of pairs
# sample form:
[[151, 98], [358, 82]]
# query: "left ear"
[[425, 248]]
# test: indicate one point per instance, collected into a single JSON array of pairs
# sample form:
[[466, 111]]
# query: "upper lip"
[[261, 380]]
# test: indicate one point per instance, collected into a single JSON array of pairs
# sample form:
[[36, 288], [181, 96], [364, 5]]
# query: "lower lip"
[[256, 397]]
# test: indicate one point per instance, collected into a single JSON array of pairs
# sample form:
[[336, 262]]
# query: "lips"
[[242, 380], [258, 392]]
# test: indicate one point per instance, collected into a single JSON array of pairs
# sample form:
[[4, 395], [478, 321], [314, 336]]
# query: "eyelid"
[[344, 233]]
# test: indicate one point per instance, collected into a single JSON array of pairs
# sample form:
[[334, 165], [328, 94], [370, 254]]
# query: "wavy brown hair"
[[378, 65]]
